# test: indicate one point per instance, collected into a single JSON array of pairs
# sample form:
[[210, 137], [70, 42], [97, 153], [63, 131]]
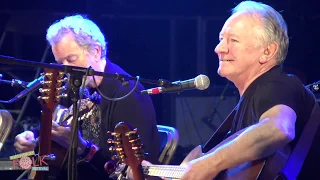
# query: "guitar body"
[[268, 168], [58, 116]]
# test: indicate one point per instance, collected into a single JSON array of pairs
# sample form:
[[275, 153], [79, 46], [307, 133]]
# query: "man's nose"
[[222, 47]]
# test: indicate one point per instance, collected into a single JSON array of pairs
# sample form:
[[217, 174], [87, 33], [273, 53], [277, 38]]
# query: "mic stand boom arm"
[[74, 69]]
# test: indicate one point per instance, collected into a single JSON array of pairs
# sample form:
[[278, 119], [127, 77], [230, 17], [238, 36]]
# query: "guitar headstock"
[[52, 89], [128, 146]]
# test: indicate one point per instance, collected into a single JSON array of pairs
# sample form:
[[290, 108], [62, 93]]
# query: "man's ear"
[[97, 52], [269, 52]]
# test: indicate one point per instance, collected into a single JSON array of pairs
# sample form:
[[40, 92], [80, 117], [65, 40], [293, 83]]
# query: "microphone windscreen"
[[202, 82]]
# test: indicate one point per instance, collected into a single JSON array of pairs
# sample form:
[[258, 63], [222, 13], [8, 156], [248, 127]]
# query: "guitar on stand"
[[49, 99]]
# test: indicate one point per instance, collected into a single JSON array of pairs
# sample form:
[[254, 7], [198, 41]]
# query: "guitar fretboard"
[[167, 171]]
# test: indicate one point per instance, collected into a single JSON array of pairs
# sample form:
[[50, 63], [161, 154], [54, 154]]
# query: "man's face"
[[237, 50], [68, 52]]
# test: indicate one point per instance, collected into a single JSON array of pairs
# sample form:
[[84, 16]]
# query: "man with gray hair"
[[77, 41], [273, 106]]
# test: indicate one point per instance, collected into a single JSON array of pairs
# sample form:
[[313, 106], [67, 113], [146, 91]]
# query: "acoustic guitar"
[[49, 99], [64, 116], [129, 150]]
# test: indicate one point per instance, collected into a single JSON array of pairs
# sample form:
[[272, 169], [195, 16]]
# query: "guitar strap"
[[301, 149], [221, 133]]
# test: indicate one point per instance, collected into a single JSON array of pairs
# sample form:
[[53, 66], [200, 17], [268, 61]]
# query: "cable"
[[120, 98]]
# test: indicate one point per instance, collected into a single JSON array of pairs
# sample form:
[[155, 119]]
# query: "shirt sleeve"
[[275, 93]]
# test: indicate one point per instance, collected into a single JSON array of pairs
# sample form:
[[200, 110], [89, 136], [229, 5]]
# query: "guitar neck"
[[166, 171]]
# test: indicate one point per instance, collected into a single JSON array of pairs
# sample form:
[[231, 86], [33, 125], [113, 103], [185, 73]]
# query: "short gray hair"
[[274, 26], [86, 33]]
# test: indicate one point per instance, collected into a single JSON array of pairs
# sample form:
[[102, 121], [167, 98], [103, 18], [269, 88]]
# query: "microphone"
[[30, 88], [15, 82], [314, 87], [200, 82]]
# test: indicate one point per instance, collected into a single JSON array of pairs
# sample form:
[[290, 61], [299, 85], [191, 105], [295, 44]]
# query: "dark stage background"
[[154, 39]]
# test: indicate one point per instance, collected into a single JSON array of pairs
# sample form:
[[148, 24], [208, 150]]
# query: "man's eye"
[[71, 59], [233, 40]]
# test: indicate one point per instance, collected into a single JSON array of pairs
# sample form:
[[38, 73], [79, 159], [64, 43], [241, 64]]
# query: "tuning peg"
[[122, 157], [60, 81], [135, 142], [61, 89], [137, 147], [140, 156], [120, 152], [45, 91], [58, 97], [109, 133], [117, 138], [48, 75], [131, 134], [47, 83], [110, 141], [61, 74], [112, 149], [138, 151], [45, 99]]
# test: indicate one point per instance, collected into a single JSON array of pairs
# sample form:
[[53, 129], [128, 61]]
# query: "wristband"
[[87, 150], [91, 153]]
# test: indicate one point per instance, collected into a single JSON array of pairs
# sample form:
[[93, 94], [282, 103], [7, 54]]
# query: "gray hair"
[[86, 33], [274, 26]]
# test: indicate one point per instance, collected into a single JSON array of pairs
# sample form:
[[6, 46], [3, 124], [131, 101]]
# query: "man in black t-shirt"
[[77, 41], [273, 106]]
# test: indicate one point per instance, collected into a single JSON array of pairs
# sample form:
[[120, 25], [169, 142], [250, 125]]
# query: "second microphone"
[[201, 82]]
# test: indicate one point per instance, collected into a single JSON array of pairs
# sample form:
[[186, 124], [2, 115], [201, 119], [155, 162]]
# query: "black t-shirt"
[[270, 89], [136, 110]]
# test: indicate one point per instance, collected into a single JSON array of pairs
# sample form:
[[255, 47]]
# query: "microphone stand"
[[75, 80]]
